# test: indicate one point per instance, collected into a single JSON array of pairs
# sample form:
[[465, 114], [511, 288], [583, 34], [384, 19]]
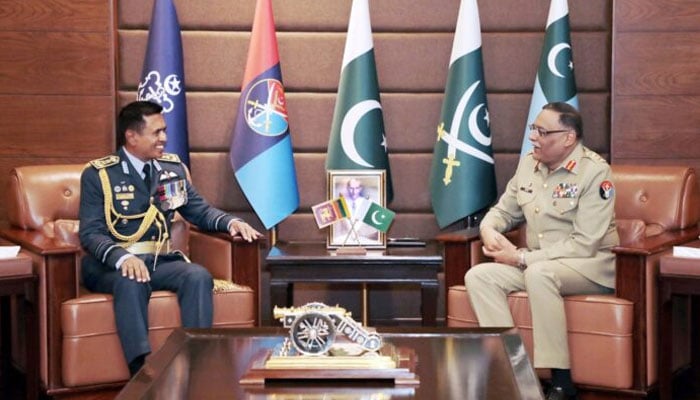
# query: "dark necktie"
[[147, 175]]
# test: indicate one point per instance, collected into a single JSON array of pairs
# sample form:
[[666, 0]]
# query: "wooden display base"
[[390, 364], [351, 250]]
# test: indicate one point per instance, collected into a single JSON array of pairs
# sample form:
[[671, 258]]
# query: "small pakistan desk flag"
[[376, 216]]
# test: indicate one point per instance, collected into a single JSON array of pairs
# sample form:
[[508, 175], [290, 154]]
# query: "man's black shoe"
[[557, 393]]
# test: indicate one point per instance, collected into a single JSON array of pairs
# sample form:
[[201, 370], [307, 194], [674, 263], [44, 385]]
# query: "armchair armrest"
[[55, 263], [631, 282], [457, 254], [229, 258]]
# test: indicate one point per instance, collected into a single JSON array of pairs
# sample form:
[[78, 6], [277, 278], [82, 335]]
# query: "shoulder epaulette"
[[105, 162], [170, 157], [593, 155]]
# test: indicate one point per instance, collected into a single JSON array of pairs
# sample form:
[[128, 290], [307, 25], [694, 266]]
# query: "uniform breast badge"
[[172, 195], [326, 343]]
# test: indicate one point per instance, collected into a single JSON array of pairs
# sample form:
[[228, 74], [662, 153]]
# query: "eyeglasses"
[[543, 132]]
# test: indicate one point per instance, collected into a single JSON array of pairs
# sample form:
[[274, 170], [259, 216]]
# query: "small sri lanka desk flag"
[[357, 139], [462, 177], [555, 79], [330, 211], [261, 147], [163, 76]]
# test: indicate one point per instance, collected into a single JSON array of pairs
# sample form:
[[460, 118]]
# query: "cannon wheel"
[[312, 333]]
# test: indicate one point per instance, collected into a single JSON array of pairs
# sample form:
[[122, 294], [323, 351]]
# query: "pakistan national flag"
[[462, 178], [555, 79], [357, 139]]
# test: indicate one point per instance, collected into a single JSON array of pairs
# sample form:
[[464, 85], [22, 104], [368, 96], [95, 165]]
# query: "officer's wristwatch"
[[521, 260]]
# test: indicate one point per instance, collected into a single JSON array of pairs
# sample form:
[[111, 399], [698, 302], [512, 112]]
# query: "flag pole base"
[[352, 250]]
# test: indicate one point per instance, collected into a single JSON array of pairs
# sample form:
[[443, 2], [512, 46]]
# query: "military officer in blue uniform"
[[562, 190], [128, 201]]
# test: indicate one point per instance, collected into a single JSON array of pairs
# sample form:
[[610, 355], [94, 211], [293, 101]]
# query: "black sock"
[[136, 364], [562, 379]]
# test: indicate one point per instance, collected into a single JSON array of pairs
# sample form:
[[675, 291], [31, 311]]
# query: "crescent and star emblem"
[[552, 58], [452, 137], [348, 127], [375, 217]]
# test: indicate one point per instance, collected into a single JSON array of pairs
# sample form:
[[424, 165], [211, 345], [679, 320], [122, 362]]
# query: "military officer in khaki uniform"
[[563, 192], [127, 203]]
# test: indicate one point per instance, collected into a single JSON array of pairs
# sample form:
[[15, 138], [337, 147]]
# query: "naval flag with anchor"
[[163, 77], [555, 79], [462, 178], [357, 139], [261, 148]]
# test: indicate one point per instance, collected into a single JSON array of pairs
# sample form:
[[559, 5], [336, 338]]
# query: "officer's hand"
[[134, 268], [509, 256], [494, 240], [246, 231]]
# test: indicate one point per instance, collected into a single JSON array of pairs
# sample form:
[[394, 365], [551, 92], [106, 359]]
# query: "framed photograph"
[[358, 188]]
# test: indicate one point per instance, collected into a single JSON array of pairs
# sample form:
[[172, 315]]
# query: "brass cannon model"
[[313, 328]]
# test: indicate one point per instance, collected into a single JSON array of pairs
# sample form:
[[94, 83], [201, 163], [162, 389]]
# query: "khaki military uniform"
[[570, 234]]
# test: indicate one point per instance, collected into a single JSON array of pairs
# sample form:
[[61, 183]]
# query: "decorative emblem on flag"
[[152, 89], [266, 108]]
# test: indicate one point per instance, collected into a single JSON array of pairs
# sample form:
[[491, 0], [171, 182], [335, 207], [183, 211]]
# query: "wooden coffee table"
[[451, 364]]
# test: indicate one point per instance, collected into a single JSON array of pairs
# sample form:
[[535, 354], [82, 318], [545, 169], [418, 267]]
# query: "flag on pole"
[[462, 177], [261, 147], [163, 76], [330, 211], [357, 139], [555, 79], [376, 216]]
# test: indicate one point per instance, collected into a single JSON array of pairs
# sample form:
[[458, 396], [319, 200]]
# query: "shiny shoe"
[[557, 393]]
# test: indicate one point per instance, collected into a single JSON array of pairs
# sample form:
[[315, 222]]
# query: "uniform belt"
[[147, 247]]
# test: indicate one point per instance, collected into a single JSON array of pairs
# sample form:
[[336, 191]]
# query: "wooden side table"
[[290, 263], [678, 276], [17, 278]]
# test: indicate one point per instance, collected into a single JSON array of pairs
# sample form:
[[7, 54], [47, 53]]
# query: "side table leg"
[[665, 350], [429, 295], [281, 295]]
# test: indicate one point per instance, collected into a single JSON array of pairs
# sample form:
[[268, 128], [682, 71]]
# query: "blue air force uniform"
[[120, 215]]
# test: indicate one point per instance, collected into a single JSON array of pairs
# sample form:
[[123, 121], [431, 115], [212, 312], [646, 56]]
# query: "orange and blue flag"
[[261, 147], [163, 76]]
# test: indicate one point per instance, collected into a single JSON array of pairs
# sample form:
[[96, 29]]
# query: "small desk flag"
[[330, 211]]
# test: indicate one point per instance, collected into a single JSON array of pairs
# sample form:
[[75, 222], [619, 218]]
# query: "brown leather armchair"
[[79, 348], [612, 338]]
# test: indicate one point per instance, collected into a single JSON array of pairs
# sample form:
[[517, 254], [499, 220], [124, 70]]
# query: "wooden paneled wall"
[[57, 82], [413, 40], [656, 82]]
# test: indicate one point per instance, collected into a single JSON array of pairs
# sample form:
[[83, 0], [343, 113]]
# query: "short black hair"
[[568, 116], [131, 117]]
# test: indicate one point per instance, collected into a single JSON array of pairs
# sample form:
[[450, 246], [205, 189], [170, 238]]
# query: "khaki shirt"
[[570, 213]]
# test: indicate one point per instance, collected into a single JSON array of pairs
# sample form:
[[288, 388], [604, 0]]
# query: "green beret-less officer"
[[563, 192]]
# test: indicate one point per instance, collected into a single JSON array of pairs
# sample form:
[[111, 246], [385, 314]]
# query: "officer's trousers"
[[488, 285], [192, 283]]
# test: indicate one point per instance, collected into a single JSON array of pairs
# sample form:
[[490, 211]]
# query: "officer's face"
[[150, 142], [551, 148]]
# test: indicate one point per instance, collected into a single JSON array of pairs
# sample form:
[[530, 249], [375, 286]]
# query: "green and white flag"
[[462, 177], [376, 216], [555, 79], [357, 139]]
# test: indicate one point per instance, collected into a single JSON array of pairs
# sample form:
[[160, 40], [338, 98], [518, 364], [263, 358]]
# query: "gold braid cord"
[[151, 216]]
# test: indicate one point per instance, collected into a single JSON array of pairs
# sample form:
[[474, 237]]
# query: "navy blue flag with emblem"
[[163, 77], [261, 147]]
